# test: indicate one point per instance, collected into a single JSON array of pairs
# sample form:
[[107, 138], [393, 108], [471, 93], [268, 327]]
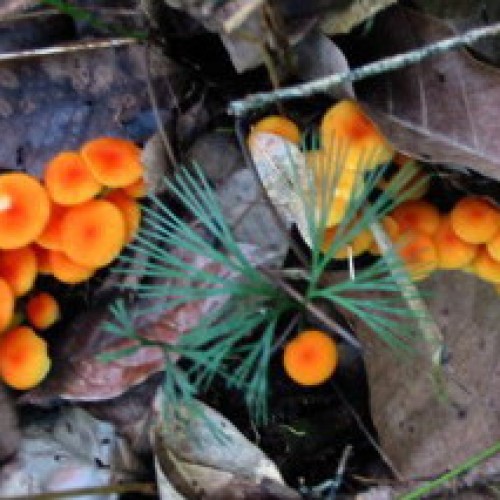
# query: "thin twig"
[[65, 49], [256, 101]]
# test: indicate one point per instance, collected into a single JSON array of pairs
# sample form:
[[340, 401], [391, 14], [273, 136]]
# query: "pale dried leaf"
[[441, 110]]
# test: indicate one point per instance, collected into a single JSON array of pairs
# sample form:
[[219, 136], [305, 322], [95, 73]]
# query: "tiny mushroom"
[[51, 235], [114, 162], [130, 210], [278, 125], [418, 252], [6, 304], [93, 233], [24, 210], [66, 270], [346, 128], [138, 189], [42, 310], [24, 361], [485, 267], [493, 247], [19, 268], [311, 358], [69, 180], [417, 215], [475, 219]]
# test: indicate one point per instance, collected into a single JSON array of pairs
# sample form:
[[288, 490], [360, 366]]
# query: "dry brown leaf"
[[444, 109]]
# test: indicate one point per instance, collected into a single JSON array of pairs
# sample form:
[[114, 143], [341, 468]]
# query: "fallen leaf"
[[443, 109]]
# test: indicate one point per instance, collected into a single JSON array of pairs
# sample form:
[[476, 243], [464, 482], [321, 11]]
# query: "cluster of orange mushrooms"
[[74, 222], [467, 238]]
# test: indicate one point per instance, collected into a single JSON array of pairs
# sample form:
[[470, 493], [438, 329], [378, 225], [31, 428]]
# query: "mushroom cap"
[[19, 268], [24, 361], [69, 180], [485, 267], [475, 219], [418, 252], [7, 303], [278, 125], [391, 227], [493, 247], [24, 210], [346, 126], [138, 189], [66, 270], [93, 233], [130, 210], [114, 162], [310, 358], [452, 251], [51, 235], [42, 310], [418, 216]]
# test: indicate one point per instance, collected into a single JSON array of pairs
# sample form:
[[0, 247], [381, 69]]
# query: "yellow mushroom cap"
[[278, 125], [24, 361], [418, 252], [310, 358], [24, 210], [493, 247], [42, 310], [475, 219], [453, 252], [418, 216], [66, 270], [485, 267], [69, 180], [346, 125], [93, 233], [6, 304], [19, 268], [130, 210], [114, 162]]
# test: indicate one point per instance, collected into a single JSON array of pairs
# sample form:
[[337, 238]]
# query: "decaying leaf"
[[200, 453], [442, 110], [70, 450], [429, 425]]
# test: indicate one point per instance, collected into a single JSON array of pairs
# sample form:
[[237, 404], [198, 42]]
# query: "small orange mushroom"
[[51, 235], [346, 126], [418, 252], [310, 358], [24, 210], [475, 219], [19, 268], [42, 310], [6, 304], [130, 210], [24, 360], [485, 267], [493, 247], [452, 251], [138, 189], [66, 270], [69, 180], [114, 162], [278, 125], [93, 233], [418, 216]]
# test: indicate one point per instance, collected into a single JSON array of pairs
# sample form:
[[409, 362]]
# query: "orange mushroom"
[[19, 268], [485, 267], [418, 252], [475, 219], [24, 210], [42, 310], [69, 180], [138, 189], [452, 252], [130, 210], [6, 304], [418, 216], [66, 270], [51, 235], [24, 360], [93, 233], [278, 125], [346, 126], [493, 247], [310, 358], [114, 162]]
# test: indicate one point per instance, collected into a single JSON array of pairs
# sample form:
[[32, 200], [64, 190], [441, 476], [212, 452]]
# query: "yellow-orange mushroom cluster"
[[74, 221]]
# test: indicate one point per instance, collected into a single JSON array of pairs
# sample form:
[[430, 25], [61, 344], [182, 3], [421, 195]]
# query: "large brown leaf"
[[444, 109]]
